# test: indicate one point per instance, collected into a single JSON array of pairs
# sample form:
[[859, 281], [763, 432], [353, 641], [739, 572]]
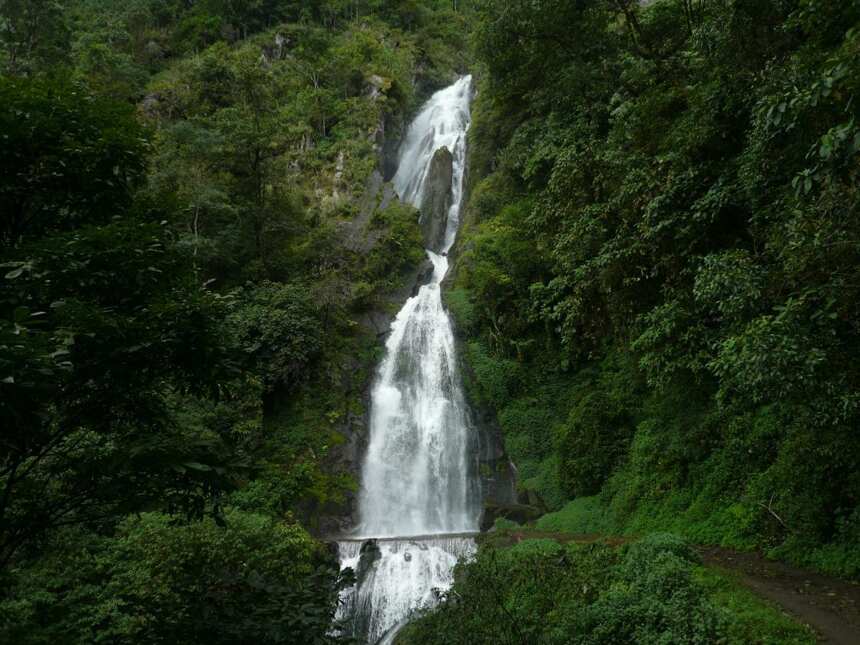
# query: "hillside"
[[199, 254], [656, 282]]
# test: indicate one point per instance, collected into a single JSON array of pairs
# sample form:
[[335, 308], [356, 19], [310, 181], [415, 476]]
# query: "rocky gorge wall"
[[497, 475]]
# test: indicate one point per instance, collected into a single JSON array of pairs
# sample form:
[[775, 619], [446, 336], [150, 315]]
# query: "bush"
[[159, 581], [581, 516], [543, 593], [278, 328], [593, 442]]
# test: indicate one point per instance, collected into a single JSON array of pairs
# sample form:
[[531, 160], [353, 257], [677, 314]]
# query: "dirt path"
[[829, 605]]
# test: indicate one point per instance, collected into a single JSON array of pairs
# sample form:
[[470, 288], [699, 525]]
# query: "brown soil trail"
[[829, 605]]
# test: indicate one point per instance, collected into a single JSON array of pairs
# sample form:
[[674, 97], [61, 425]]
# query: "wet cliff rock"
[[436, 200], [362, 236], [369, 555], [519, 513], [498, 475]]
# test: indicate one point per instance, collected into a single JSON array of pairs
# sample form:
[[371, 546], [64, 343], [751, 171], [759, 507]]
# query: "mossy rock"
[[519, 513]]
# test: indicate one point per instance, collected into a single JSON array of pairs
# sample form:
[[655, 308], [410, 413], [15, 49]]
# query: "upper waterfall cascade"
[[419, 476]]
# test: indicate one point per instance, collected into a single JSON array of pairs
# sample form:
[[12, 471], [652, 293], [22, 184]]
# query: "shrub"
[[543, 593], [160, 581], [593, 442]]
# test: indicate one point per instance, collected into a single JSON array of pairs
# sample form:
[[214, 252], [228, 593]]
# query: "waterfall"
[[404, 576], [418, 477]]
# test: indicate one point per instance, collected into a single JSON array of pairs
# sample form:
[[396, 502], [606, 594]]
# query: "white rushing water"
[[442, 123], [418, 478], [402, 579]]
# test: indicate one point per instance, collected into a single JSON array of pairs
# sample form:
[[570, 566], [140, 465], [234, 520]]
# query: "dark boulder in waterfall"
[[361, 614], [369, 554], [425, 275], [436, 199]]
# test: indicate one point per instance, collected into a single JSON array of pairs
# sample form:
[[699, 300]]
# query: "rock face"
[[370, 553], [532, 498], [386, 141], [497, 473], [519, 513], [436, 200], [359, 235]]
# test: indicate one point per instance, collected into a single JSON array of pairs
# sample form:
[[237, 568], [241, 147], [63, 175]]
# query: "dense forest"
[[655, 292], [659, 281], [186, 269]]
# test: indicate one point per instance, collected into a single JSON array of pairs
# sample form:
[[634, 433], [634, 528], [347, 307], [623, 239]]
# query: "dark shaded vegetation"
[[184, 276]]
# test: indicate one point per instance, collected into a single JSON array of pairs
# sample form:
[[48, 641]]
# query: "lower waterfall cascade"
[[419, 501]]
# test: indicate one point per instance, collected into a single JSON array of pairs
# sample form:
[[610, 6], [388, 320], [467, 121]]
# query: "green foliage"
[[101, 324], [179, 280], [494, 379], [158, 581], [651, 591], [105, 68], [675, 184], [33, 34], [497, 267], [68, 158], [593, 443], [399, 247], [279, 328], [582, 516], [462, 309]]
